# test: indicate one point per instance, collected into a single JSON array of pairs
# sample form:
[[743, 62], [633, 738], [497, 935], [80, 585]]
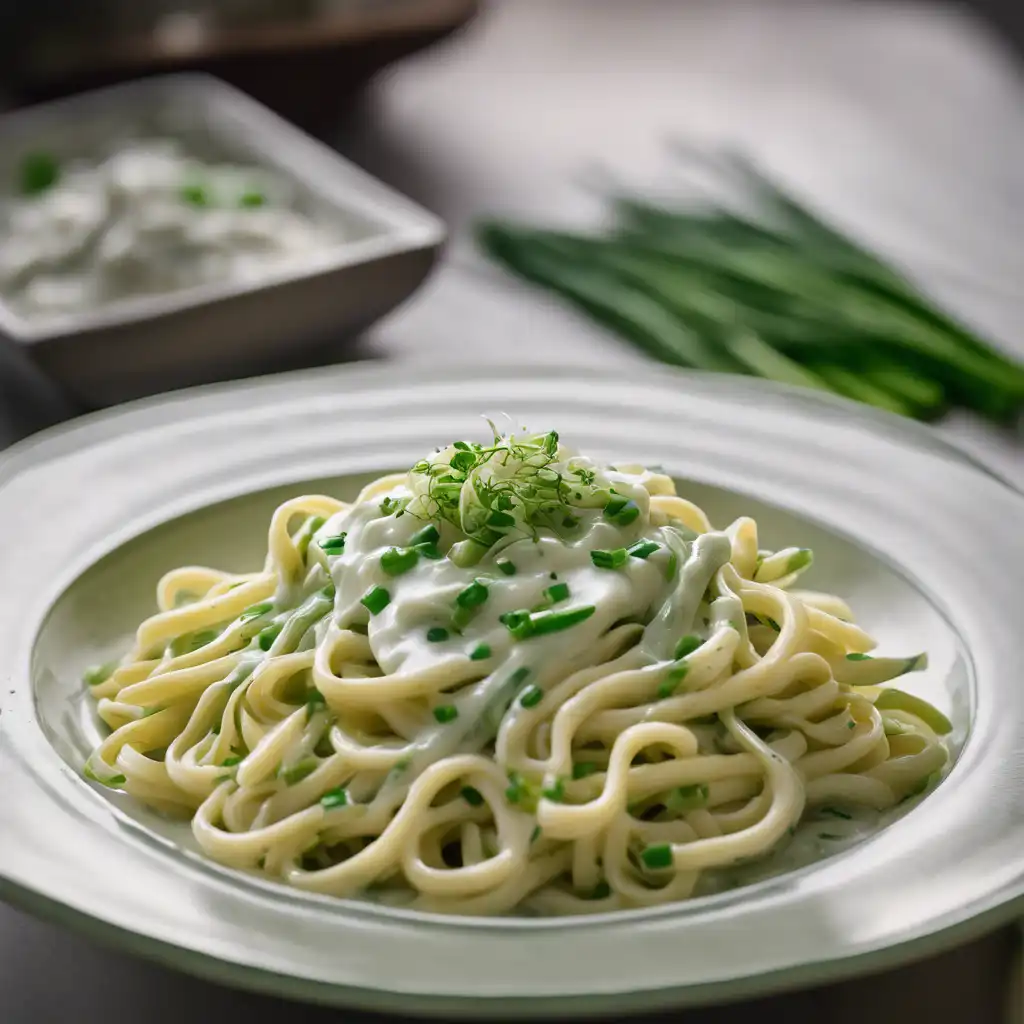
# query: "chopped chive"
[[520, 674], [621, 511], [38, 172], [858, 657], [266, 637], [656, 857], [687, 798], [518, 623], [256, 610], [446, 713], [643, 548], [531, 697], [437, 634], [687, 646], [555, 793], [582, 769], [472, 796], [396, 561], [557, 592], [480, 653], [851, 724], [430, 551], [375, 600], [671, 566], [195, 195], [230, 762], [614, 559], [505, 566], [298, 772], [428, 535], [250, 199], [673, 678], [334, 798], [473, 596], [96, 674], [333, 545], [554, 621]]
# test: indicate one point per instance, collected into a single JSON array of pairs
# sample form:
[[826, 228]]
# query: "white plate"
[[928, 547]]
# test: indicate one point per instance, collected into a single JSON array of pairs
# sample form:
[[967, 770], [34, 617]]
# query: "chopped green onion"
[[428, 535], [437, 634], [554, 621], [671, 566], [643, 548], [298, 772], [519, 675], [557, 592], [614, 559], [472, 796], [621, 511], [687, 798], [334, 798], [555, 793], [256, 610], [601, 891], [96, 674], [673, 678], [506, 566], [396, 561], [480, 653], [446, 713], [582, 769], [251, 199], [858, 657], [375, 600], [535, 834], [518, 623], [195, 195], [656, 857], [333, 545], [314, 700], [230, 762], [430, 551], [687, 646], [38, 172], [266, 637], [473, 596], [531, 697], [329, 591]]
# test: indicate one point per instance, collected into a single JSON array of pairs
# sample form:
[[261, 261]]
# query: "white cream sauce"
[[149, 219]]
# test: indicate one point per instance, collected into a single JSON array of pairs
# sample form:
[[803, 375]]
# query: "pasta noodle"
[[509, 680]]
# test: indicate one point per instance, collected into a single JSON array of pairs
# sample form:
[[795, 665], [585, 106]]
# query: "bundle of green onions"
[[778, 294]]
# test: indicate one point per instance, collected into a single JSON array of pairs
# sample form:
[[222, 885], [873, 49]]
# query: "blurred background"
[[827, 193]]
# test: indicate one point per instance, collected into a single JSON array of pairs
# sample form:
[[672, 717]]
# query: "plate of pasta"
[[430, 692]]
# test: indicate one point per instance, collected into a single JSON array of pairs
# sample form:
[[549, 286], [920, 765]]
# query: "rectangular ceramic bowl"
[[216, 331]]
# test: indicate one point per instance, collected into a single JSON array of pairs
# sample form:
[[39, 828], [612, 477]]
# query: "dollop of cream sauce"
[[149, 219]]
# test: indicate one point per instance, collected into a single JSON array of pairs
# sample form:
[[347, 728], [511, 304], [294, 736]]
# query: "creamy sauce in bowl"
[[147, 219]]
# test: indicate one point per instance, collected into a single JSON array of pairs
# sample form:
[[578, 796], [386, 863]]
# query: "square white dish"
[[135, 346]]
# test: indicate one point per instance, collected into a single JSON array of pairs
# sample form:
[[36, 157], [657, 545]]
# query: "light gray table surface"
[[902, 121]]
